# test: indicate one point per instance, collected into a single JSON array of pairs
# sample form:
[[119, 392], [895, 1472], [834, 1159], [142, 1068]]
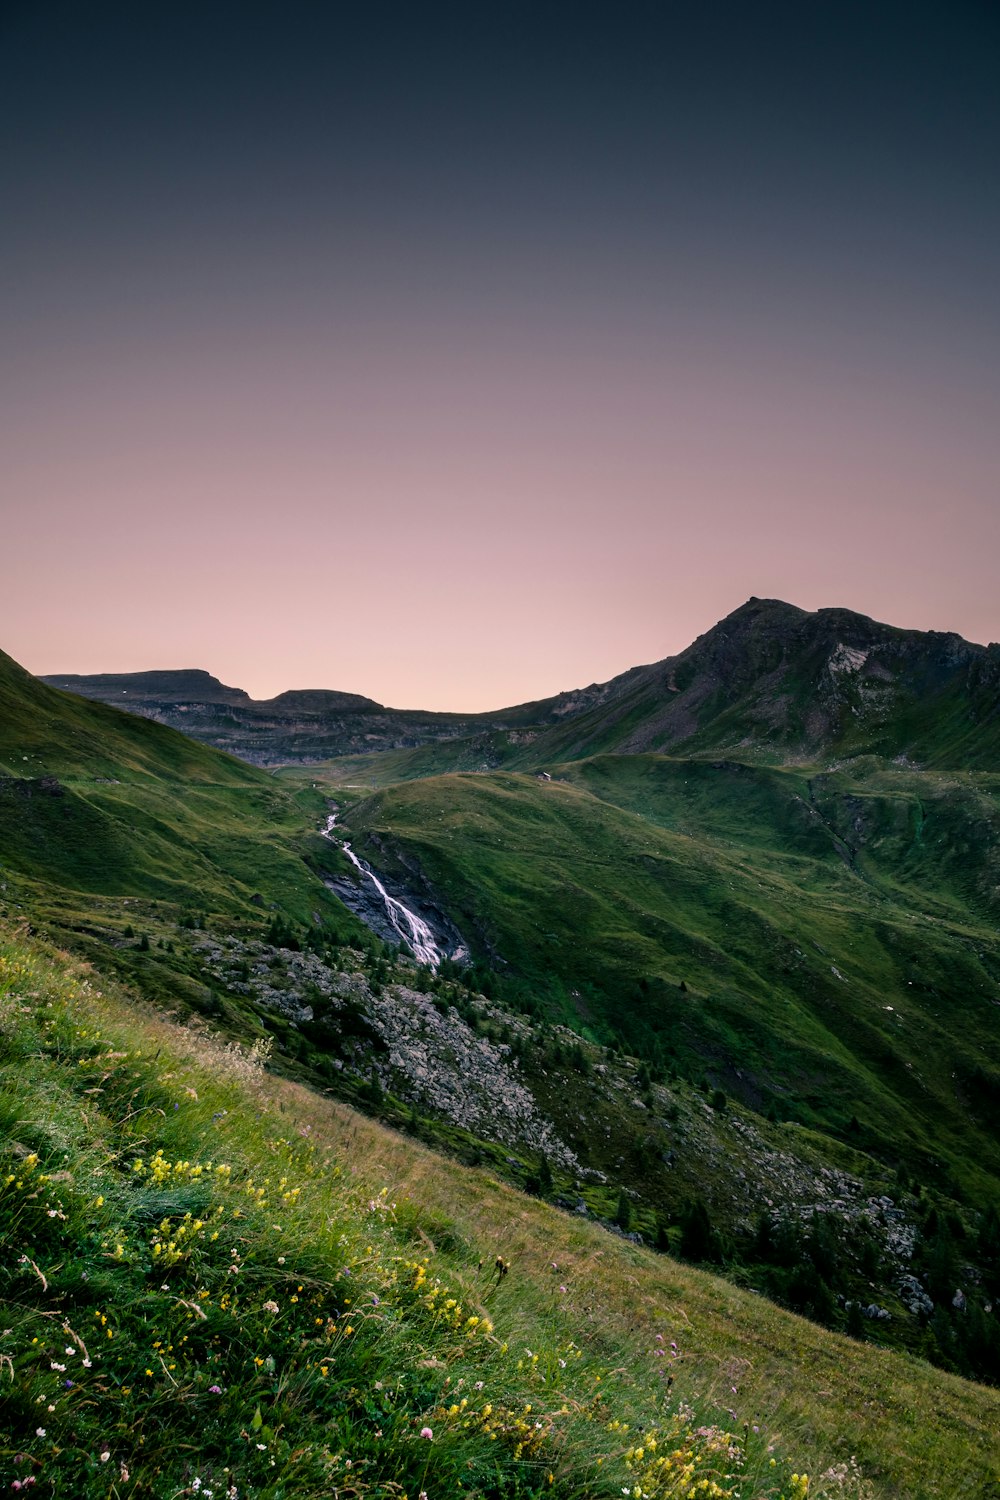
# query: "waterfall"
[[413, 930]]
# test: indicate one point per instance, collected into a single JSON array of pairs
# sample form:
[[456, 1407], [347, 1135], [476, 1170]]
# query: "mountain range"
[[769, 677]]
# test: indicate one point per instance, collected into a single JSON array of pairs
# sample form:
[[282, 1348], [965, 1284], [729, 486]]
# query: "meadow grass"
[[104, 804], [219, 1283], [201, 1297]]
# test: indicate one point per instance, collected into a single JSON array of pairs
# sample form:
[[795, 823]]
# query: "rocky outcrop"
[[425, 1056]]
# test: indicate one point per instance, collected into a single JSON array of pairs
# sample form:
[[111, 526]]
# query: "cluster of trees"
[[963, 1331], [281, 933]]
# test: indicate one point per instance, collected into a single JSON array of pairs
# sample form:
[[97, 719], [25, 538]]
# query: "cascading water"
[[412, 929]]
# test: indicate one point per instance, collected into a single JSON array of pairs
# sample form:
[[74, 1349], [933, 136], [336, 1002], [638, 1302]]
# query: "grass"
[[95, 803], [217, 1281], [822, 941], [796, 907], [203, 1296], [714, 917]]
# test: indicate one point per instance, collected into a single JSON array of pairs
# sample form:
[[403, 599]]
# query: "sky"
[[458, 355]]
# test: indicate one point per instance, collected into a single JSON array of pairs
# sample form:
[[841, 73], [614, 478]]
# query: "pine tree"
[[699, 1241]]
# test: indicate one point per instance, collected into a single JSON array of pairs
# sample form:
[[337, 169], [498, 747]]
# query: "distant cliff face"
[[191, 686], [769, 678], [307, 725]]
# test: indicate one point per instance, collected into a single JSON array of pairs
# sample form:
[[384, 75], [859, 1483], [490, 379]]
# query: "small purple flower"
[[215, 1390]]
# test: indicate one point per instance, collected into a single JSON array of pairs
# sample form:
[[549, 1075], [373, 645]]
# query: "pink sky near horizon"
[[457, 357], [462, 525]]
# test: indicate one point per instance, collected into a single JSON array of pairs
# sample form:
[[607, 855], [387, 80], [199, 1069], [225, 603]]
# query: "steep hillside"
[[742, 1004], [100, 804], [714, 917], [200, 1299], [822, 948]]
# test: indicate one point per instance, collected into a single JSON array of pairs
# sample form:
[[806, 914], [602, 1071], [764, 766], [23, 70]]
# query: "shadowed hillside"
[[94, 802]]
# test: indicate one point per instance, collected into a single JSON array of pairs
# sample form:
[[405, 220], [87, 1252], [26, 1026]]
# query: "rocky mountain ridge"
[[769, 677]]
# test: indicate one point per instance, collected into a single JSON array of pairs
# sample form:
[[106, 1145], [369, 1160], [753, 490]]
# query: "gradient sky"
[[457, 355]]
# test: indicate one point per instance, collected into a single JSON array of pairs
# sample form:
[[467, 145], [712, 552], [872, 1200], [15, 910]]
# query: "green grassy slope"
[[214, 1281], [102, 803], [817, 940], [788, 935]]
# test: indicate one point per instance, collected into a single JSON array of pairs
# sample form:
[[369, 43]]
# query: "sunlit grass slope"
[[825, 945], [217, 1283]]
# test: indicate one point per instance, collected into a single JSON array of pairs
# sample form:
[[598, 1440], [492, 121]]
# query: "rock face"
[[306, 727], [151, 688], [768, 675]]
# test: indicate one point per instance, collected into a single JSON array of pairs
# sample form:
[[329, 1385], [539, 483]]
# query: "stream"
[[413, 930]]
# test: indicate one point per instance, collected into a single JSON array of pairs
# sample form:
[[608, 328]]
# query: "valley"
[[705, 957]]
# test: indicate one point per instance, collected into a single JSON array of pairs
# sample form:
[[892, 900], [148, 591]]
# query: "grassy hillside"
[[714, 917], [98, 803], [218, 1283], [782, 980]]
